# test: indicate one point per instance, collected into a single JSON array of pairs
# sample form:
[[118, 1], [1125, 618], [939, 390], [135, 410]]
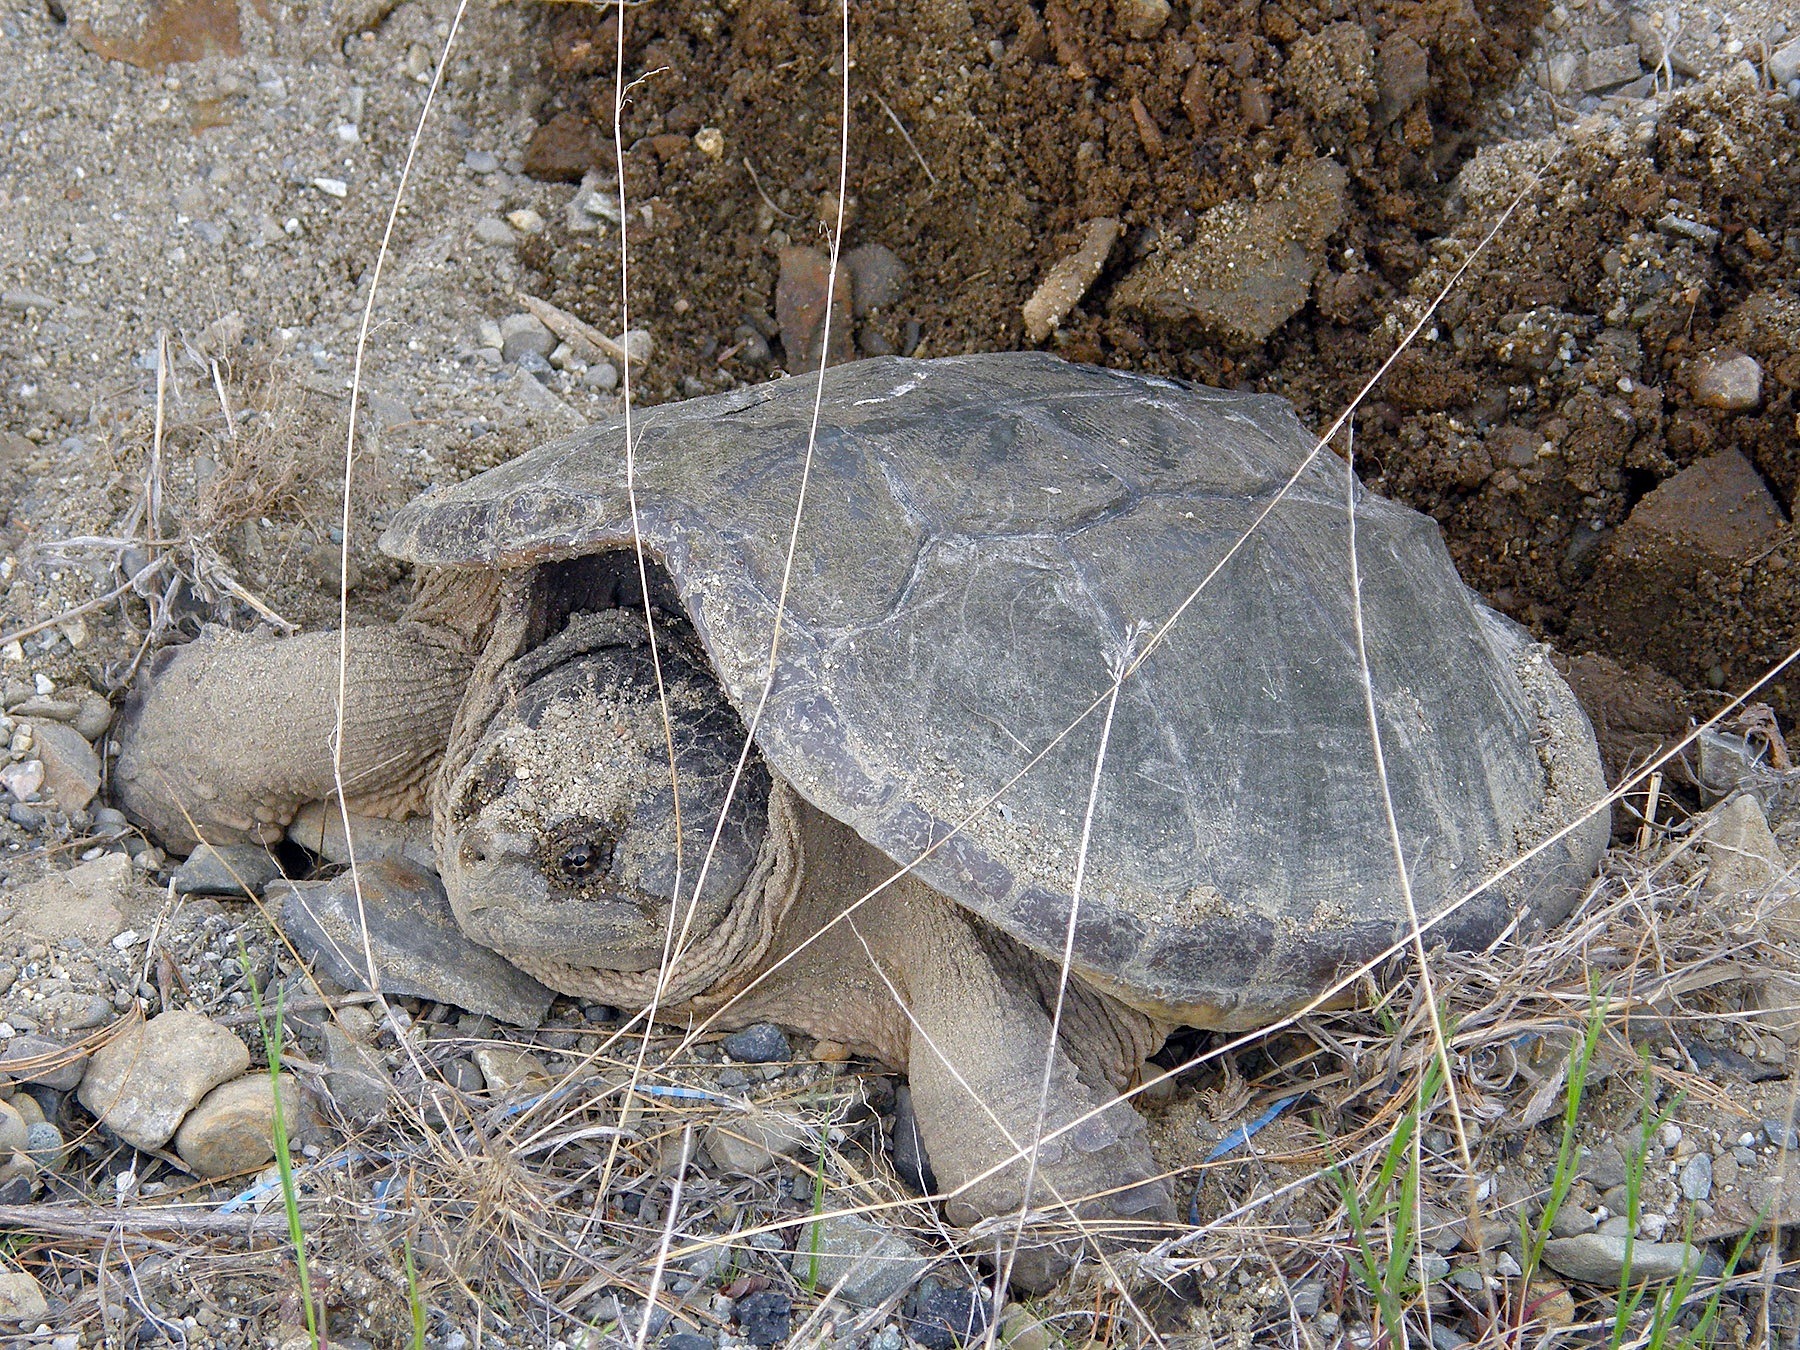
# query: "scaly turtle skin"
[[987, 542]]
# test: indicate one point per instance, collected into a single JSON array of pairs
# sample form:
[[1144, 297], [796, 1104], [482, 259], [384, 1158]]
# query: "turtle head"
[[567, 838]]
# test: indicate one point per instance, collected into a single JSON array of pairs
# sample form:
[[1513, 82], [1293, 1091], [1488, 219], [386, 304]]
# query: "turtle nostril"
[[472, 853]]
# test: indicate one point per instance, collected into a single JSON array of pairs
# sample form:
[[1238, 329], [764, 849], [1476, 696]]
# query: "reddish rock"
[[800, 295], [565, 148]]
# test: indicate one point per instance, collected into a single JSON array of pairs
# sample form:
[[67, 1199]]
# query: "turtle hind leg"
[[980, 1038], [231, 735]]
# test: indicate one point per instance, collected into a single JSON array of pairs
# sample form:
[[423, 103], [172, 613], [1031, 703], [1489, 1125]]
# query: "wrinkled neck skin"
[[565, 846]]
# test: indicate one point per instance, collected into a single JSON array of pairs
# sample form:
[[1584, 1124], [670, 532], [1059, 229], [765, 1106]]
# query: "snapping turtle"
[[985, 544]]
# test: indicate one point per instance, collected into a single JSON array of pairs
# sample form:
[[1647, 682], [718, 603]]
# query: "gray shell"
[[984, 539]]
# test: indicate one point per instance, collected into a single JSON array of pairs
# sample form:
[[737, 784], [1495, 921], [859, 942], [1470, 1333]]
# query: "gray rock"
[[1446, 1337], [871, 1263], [320, 828], [1784, 63], [751, 1142], [20, 301], [761, 1043], [1609, 66], [1781, 1134], [418, 948], [494, 231], [941, 1316], [521, 333], [38, 1059], [878, 278], [1599, 1259], [909, 1156], [481, 161], [1306, 1297], [71, 768], [145, 1081], [21, 1298], [764, 1317], [1571, 1221], [1604, 1167], [24, 779], [602, 375], [25, 817], [44, 1145], [229, 869], [41, 706], [1697, 1177], [1729, 382]]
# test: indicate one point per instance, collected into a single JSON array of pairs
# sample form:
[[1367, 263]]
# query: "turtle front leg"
[[230, 735], [979, 1037]]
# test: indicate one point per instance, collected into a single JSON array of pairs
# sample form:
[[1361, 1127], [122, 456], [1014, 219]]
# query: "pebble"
[[40, 1060], [1068, 279], [877, 277], [1446, 1337], [521, 333], [1784, 63], [25, 817], [1697, 1177], [602, 375], [764, 1317], [21, 301], [495, 231], [21, 1298], [417, 946], [760, 1043], [144, 1082], [1143, 19], [1781, 1134], [1306, 1296], [1599, 1258], [1609, 66], [232, 1128], [687, 1340], [1728, 383], [747, 1144], [355, 1078], [526, 221], [504, 1068], [228, 869], [867, 1264], [942, 1316], [24, 779], [481, 161], [71, 768], [332, 187], [13, 1130]]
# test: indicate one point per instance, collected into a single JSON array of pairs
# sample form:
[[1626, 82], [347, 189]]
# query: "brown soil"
[[1552, 393]]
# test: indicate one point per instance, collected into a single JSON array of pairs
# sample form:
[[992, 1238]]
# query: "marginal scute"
[[986, 540]]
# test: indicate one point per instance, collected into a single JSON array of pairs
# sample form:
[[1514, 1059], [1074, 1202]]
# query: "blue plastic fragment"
[[1237, 1139]]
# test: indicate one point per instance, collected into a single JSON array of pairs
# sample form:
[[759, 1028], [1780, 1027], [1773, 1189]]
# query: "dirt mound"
[[1587, 358]]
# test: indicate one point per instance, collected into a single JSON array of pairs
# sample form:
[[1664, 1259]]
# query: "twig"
[[906, 136], [578, 333]]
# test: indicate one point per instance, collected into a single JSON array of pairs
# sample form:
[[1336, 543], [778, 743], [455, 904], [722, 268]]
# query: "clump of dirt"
[[1557, 388]]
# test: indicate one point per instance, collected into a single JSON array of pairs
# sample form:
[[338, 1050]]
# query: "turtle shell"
[[985, 539]]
